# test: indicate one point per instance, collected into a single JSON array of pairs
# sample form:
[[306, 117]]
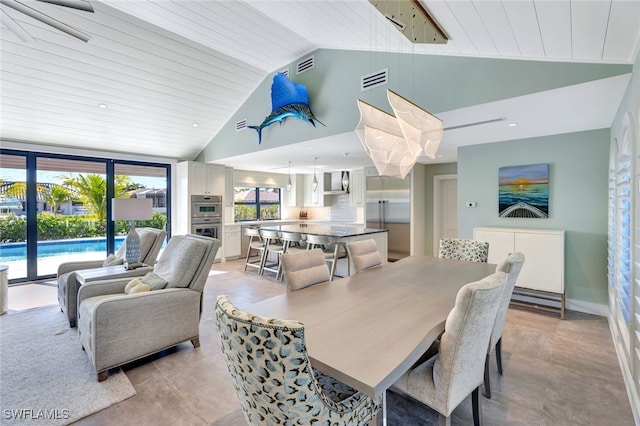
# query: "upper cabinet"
[[206, 179], [356, 187], [295, 197], [228, 187]]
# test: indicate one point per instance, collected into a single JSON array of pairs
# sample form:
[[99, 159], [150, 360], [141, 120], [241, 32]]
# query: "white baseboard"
[[587, 307]]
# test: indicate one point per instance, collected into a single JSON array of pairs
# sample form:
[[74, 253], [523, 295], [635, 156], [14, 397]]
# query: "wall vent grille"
[[285, 72], [241, 125], [305, 65], [375, 79]]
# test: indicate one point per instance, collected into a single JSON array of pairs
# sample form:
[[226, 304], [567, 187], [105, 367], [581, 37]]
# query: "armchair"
[[116, 328], [151, 240]]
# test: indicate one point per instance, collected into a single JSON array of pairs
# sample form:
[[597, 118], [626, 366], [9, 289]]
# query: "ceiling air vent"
[[305, 65], [375, 79], [241, 125]]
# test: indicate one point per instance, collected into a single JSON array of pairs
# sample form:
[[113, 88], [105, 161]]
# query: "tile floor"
[[556, 372]]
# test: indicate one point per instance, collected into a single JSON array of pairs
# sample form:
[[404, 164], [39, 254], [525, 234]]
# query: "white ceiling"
[[160, 66]]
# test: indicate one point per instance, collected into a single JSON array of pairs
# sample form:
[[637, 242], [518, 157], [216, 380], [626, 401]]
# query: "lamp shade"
[[132, 208]]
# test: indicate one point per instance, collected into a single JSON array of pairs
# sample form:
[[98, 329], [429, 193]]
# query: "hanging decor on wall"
[[523, 191], [394, 142], [288, 99]]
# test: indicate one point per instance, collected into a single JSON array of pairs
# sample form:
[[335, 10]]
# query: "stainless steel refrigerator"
[[389, 207]]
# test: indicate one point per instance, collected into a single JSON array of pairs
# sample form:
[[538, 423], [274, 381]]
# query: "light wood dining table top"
[[367, 329]]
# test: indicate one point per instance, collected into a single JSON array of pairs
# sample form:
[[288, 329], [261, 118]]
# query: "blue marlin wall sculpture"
[[288, 99]]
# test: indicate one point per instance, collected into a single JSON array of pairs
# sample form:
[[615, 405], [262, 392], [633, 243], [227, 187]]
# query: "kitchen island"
[[339, 233]]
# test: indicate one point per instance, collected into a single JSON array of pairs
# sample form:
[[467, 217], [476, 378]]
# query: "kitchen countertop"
[[330, 230]]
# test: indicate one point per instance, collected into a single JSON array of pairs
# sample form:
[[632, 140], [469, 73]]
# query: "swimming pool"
[[18, 251]]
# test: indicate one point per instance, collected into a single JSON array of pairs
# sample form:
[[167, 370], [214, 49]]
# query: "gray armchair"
[[116, 328], [151, 240]]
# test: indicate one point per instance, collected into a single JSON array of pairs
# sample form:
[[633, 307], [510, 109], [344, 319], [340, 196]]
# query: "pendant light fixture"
[[289, 185], [314, 184], [345, 174]]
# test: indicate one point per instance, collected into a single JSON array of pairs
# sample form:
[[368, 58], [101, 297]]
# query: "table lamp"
[[132, 209]]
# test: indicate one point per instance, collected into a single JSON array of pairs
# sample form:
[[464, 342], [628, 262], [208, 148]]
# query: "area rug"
[[46, 377]]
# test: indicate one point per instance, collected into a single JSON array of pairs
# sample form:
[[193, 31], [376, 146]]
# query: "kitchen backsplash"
[[342, 210]]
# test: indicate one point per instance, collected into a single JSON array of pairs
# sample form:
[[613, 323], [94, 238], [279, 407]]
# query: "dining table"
[[369, 328]]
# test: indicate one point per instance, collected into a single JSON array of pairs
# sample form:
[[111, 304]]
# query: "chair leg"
[[195, 342], [444, 420], [72, 323], [487, 379], [102, 376], [476, 406], [499, 355]]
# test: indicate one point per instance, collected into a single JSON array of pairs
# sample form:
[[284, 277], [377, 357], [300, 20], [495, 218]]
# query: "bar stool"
[[256, 245], [272, 245], [331, 256]]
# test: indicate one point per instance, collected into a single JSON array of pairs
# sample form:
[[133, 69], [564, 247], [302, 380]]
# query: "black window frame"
[[257, 203]]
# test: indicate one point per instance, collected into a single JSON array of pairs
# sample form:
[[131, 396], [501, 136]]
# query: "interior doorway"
[[445, 208]]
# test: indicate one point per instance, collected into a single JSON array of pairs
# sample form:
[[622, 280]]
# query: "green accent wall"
[[437, 83], [578, 193]]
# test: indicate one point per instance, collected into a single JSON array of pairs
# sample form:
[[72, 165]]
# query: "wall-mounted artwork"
[[524, 191]]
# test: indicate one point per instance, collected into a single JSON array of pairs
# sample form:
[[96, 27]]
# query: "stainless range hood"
[[333, 183]]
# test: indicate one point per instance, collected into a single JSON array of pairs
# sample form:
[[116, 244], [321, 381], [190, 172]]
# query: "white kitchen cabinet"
[[313, 198], [356, 187], [296, 195], [206, 179], [228, 187], [543, 249], [232, 242]]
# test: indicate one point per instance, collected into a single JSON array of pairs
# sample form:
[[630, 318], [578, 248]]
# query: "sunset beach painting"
[[524, 191]]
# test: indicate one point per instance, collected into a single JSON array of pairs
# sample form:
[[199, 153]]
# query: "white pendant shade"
[[394, 143]]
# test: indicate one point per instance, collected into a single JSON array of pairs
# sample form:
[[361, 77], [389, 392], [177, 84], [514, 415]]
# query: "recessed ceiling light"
[[195, 124], [103, 106], [512, 124]]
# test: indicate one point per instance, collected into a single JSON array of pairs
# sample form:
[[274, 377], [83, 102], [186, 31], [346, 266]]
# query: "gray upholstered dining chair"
[[364, 254], [116, 328], [462, 249], [456, 371], [304, 268], [151, 240], [273, 377], [512, 266]]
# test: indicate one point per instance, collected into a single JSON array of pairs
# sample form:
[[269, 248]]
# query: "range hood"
[[333, 183]]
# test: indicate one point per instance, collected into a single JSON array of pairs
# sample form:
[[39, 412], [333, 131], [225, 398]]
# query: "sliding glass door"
[[57, 208]]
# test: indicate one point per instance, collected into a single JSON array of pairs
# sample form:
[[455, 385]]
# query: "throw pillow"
[[154, 281], [113, 260], [139, 289], [134, 282]]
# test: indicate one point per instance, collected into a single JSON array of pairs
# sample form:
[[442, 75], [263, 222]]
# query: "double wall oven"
[[206, 215]]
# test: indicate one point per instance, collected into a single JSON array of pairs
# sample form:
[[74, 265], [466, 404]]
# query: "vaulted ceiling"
[[161, 77]]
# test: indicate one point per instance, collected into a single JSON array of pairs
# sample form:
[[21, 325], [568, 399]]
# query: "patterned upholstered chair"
[[304, 268], [364, 254], [512, 266], [116, 328], [461, 249], [446, 379], [151, 240], [273, 377]]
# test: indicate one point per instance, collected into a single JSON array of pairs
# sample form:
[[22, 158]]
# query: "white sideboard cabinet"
[[543, 249]]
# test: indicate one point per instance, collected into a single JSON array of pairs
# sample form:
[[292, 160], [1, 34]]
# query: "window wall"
[[256, 203], [57, 208]]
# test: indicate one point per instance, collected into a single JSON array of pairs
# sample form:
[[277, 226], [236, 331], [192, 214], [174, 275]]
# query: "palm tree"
[[57, 195], [92, 190]]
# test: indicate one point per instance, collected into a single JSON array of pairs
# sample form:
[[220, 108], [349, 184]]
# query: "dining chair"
[[255, 246], [364, 254], [456, 371], [332, 251], [273, 377], [304, 268], [512, 266], [462, 249]]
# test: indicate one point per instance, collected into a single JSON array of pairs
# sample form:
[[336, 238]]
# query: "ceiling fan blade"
[[14, 27], [74, 4], [477, 123], [45, 19]]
